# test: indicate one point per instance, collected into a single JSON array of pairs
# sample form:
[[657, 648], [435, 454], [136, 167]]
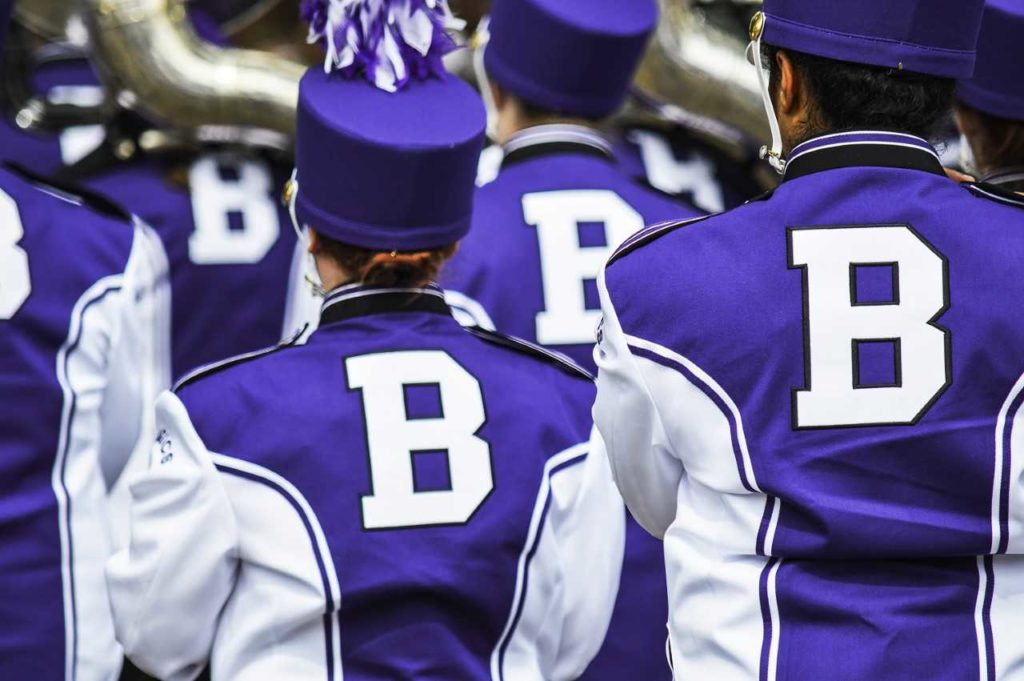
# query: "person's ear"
[[314, 241], [790, 91]]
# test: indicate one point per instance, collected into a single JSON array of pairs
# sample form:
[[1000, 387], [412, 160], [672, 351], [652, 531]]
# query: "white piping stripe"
[[546, 134], [996, 197], [206, 368], [722, 395], [997, 478], [979, 621], [800, 154], [857, 133], [773, 610], [321, 539], [94, 293], [773, 525], [531, 538]]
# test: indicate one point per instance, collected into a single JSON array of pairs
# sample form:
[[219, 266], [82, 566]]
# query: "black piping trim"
[[867, 154], [217, 367], [536, 351], [655, 233], [994, 192], [541, 149], [362, 303]]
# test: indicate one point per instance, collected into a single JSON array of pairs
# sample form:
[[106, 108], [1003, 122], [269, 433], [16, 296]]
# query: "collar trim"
[[1005, 176], [356, 300], [864, 149], [543, 140]]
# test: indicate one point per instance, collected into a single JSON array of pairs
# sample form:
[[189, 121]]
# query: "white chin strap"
[[774, 155], [480, 40], [311, 275]]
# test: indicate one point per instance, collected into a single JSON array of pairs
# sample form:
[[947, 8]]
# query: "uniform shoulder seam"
[[214, 368], [652, 233], [996, 193], [95, 201], [527, 348]]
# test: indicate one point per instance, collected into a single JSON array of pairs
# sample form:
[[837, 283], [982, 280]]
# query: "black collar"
[[862, 149], [547, 140], [355, 300]]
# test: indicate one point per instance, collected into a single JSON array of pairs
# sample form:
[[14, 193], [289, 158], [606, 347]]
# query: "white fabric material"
[[114, 362], [226, 554], [572, 578], [679, 477], [1007, 616], [1015, 422]]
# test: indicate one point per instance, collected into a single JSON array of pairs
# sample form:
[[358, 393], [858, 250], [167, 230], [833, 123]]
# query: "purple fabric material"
[[934, 37], [410, 611], [573, 56], [503, 248], [997, 87], [872, 518], [388, 171], [32, 622], [217, 310]]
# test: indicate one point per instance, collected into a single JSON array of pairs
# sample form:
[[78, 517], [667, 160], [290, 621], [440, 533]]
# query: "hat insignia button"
[[757, 25]]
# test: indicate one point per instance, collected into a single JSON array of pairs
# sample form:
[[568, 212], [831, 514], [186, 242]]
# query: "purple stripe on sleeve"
[[329, 611], [713, 396], [986, 618]]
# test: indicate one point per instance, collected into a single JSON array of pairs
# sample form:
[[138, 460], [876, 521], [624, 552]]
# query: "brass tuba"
[[696, 73], [152, 60]]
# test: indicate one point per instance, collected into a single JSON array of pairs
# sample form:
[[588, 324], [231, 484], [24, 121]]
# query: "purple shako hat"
[[932, 37], [387, 143], [577, 57], [997, 87]]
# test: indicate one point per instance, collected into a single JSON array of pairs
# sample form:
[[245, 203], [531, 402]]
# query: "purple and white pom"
[[386, 41]]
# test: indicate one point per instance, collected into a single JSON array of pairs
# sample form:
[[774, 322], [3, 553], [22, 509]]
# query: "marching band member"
[[398, 497], [83, 354], [815, 399]]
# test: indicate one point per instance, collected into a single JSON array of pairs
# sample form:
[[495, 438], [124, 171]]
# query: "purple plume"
[[388, 42]]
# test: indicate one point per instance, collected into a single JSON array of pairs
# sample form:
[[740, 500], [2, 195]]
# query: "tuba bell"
[[695, 73], [153, 61]]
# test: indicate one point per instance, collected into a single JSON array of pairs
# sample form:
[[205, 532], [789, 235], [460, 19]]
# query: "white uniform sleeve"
[[139, 362], [167, 589], [645, 467], [302, 307], [569, 571]]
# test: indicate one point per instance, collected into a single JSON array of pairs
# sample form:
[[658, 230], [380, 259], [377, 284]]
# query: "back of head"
[[573, 57], [882, 65], [387, 141], [991, 103]]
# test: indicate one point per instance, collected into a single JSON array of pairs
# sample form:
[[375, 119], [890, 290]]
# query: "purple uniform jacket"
[[415, 499], [77, 321], [541, 233], [815, 400]]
